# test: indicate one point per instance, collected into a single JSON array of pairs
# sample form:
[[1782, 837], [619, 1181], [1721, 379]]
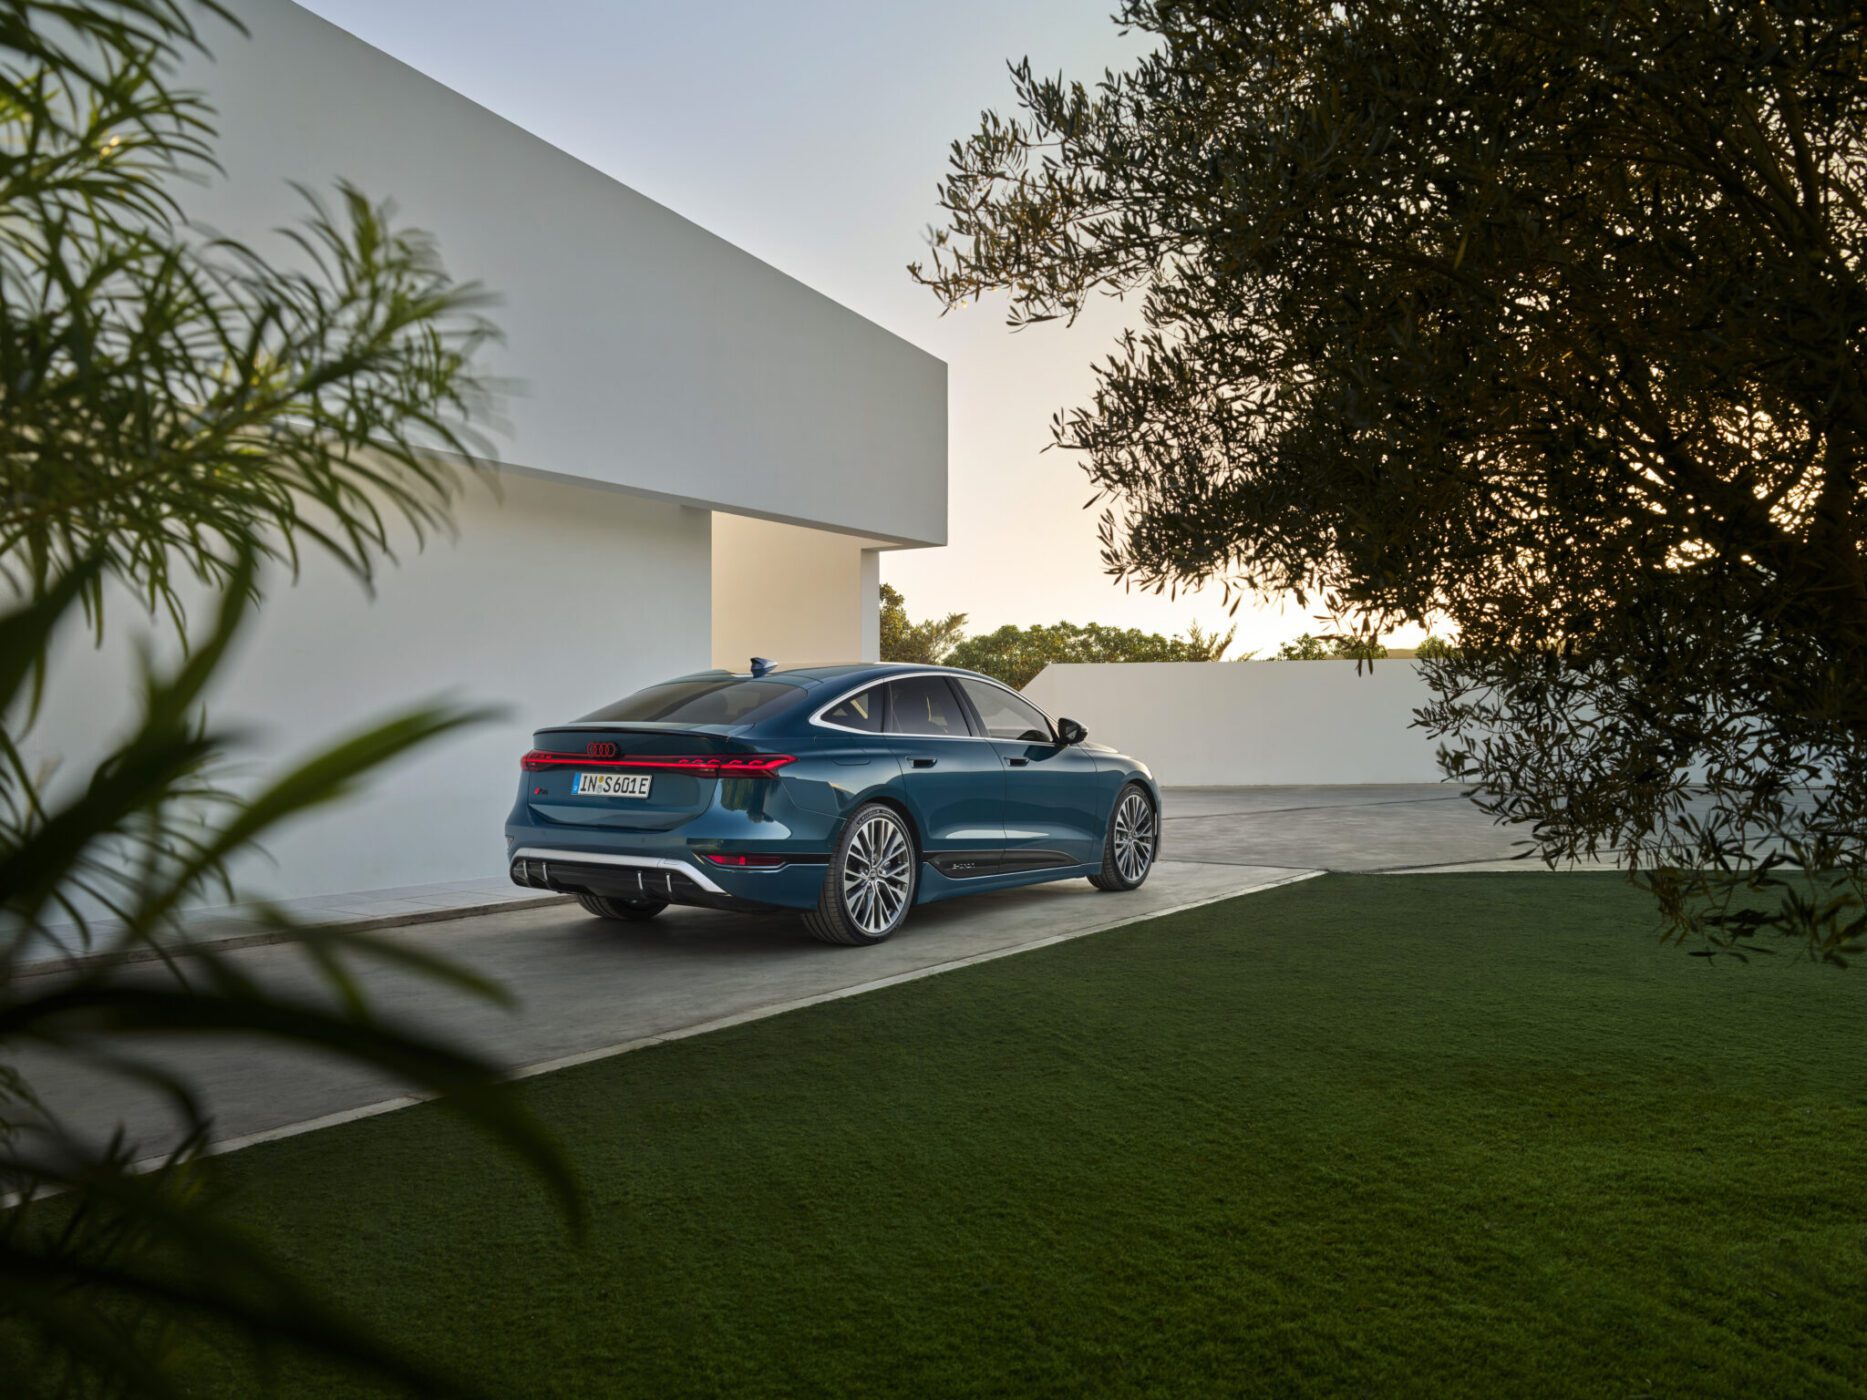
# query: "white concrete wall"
[[660, 374], [1222, 723], [871, 605], [652, 354], [560, 599], [791, 594]]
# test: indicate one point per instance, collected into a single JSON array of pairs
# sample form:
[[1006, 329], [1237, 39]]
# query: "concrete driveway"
[[586, 987], [1392, 828]]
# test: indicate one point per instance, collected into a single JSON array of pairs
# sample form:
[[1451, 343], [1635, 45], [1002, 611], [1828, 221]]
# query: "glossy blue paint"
[[987, 811]]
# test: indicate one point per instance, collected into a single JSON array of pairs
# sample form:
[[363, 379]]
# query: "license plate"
[[611, 785]]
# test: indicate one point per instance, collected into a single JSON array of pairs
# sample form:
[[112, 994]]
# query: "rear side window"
[[1006, 716], [925, 705], [707, 700], [862, 711]]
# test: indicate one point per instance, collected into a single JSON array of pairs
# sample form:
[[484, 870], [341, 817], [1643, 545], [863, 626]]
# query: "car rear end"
[[686, 813]]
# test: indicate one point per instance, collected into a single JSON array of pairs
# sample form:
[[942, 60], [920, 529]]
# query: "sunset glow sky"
[[812, 134]]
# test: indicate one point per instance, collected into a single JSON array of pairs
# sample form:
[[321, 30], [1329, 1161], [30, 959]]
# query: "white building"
[[703, 463]]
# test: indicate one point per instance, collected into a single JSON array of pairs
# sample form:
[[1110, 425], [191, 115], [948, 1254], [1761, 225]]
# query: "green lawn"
[[1464, 1134]]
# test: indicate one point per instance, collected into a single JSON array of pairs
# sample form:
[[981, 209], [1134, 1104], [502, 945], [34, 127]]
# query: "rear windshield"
[[710, 700]]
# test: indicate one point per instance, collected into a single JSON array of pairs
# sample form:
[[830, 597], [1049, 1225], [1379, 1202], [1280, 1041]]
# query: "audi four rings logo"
[[601, 748]]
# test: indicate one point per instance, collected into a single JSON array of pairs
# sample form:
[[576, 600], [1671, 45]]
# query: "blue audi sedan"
[[849, 793]]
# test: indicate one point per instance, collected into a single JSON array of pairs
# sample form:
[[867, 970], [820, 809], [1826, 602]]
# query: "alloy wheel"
[[877, 875], [1134, 837]]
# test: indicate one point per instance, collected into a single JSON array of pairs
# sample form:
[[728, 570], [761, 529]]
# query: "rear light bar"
[[751, 862], [720, 765]]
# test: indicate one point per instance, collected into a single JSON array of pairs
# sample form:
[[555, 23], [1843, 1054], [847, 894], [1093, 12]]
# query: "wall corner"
[[869, 619]]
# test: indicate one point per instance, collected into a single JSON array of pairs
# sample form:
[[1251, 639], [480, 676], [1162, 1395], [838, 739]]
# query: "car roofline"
[[906, 671]]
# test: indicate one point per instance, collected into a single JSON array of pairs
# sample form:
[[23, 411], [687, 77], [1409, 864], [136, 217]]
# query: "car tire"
[[1132, 843], [632, 911], [871, 882]]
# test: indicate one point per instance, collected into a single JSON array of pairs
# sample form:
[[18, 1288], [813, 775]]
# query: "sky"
[[813, 135]]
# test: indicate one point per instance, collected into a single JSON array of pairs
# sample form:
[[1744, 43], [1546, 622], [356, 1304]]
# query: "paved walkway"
[[586, 986], [1395, 828], [230, 925]]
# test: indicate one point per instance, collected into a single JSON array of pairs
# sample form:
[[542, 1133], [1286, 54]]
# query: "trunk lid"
[[675, 795]]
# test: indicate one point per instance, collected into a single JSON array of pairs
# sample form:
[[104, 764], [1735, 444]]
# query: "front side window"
[[925, 705], [1005, 715], [862, 711], [703, 700]]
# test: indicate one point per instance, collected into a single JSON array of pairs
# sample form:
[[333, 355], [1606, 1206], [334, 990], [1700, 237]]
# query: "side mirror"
[[1070, 732]]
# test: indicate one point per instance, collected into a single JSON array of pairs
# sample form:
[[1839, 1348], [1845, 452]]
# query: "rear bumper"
[[587, 872], [671, 879], [599, 849]]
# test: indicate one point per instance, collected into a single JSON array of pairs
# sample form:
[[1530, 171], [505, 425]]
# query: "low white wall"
[[558, 600], [1225, 723]]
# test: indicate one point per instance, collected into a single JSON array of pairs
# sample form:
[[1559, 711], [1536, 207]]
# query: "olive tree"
[[1541, 324]]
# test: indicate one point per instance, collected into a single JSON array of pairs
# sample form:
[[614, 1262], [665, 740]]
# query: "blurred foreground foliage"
[[177, 415]]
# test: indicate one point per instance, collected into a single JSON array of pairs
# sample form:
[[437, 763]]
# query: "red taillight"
[[753, 862], [706, 765], [753, 765]]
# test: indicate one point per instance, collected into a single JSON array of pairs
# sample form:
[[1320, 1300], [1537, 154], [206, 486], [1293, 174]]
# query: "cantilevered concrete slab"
[[651, 355]]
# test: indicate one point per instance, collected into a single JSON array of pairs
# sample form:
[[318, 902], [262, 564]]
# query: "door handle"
[[925, 762], [1017, 762]]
